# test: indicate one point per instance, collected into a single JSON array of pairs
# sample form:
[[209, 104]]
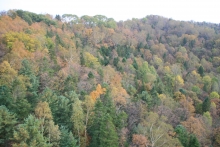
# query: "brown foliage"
[[139, 140]]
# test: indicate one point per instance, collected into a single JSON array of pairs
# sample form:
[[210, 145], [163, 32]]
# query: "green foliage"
[[108, 135], [196, 89], [90, 75], [22, 108], [6, 97], [135, 65], [29, 134], [103, 129], [214, 95], [208, 118], [206, 105], [201, 71], [70, 83], [182, 135], [47, 66], [30, 17], [193, 141], [82, 59], [32, 88], [67, 139], [199, 108], [7, 122]]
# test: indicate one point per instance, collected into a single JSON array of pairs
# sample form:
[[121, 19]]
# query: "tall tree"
[[78, 120], [29, 134], [7, 122], [67, 139]]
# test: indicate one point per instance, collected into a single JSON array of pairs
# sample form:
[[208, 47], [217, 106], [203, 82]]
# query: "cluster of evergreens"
[[74, 81]]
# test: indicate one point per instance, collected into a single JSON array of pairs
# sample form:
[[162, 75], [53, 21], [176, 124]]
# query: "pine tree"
[[29, 134], [193, 141], [206, 105], [32, 89], [182, 135], [94, 130], [108, 134], [82, 59], [67, 139], [201, 71], [6, 97], [7, 122]]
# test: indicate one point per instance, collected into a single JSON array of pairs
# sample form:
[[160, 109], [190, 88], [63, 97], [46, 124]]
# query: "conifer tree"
[[29, 134], [182, 135], [7, 122], [108, 134], [206, 105], [67, 139], [193, 141]]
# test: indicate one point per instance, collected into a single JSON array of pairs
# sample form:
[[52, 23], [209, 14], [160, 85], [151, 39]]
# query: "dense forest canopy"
[[74, 81]]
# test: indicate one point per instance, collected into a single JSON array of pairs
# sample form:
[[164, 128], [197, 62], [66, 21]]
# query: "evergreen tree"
[[67, 139], [94, 130], [201, 71], [135, 65], [82, 59], [22, 108], [193, 141], [7, 122], [108, 134], [6, 97], [206, 105], [32, 89], [155, 98], [182, 135], [29, 134]]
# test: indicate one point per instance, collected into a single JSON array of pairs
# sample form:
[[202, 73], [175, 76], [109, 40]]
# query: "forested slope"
[[90, 81]]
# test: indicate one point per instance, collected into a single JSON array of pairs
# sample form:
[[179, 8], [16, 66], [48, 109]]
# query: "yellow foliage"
[[162, 97], [43, 111], [29, 42], [179, 80], [90, 60], [7, 73], [167, 69], [195, 73]]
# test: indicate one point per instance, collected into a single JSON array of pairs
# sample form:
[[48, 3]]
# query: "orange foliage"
[[96, 94], [8, 24], [194, 125]]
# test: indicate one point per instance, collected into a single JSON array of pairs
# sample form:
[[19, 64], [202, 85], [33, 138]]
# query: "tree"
[[139, 140], [32, 88], [193, 141], [207, 83], [42, 111], [67, 139], [29, 134], [6, 97], [103, 130], [182, 135], [194, 126], [7, 123], [7, 74], [108, 133], [78, 119], [201, 71], [214, 95], [206, 105]]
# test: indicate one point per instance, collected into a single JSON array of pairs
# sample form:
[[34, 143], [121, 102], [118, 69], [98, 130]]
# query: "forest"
[[89, 81]]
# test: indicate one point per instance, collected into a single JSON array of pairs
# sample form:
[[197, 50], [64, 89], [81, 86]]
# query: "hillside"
[[74, 81]]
